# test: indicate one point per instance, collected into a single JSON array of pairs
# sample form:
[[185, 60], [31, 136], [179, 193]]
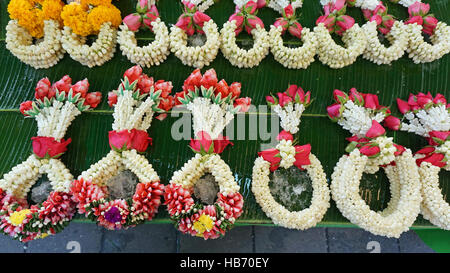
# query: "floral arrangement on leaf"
[[244, 17], [54, 108], [135, 101], [90, 17], [394, 31], [213, 105], [420, 20], [35, 20], [336, 21], [430, 117], [289, 106], [280, 5], [147, 17], [298, 57], [370, 149], [191, 21]]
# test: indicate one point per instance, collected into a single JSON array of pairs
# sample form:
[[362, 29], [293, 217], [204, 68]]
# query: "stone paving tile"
[[9, 245], [283, 240], [146, 238], [356, 240], [237, 240], [76, 237], [410, 242]]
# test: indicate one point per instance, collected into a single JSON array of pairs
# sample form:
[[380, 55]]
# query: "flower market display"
[[90, 17], [370, 149], [146, 16], [430, 118], [135, 101], [289, 106], [54, 108], [194, 20], [213, 105]]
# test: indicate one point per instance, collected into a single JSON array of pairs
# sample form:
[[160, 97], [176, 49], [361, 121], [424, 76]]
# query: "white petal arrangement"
[[191, 21], [370, 149], [154, 53], [213, 105], [279, 5], [285, 155], [297, 57], [54, 109], [244, 17], [430, 117], [135, 101]]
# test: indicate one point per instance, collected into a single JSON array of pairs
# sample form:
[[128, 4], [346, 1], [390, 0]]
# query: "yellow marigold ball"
[[75, 16], [102, 14]]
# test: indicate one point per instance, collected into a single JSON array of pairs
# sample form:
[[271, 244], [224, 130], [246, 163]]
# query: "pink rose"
[[133, 21]]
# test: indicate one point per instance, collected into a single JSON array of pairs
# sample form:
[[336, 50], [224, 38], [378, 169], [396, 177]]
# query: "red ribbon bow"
[[44, 147], [205, 145], [127, 140]]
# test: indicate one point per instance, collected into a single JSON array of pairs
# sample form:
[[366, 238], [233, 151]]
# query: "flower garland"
[[35, 19], [335, 20], [294, 58], [245, 16], [395, 31], [135, 101], [286, 155], [213, 104], [90, 17], [430, 118], [147, 16], [279, 5], [55, 107], [369, 149], [191, 21], [420, 21]]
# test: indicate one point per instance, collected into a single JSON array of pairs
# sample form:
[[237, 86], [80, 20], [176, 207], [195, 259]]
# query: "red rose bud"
[[261, 3], [209, 79], [81, 87], [179, 95], [119, 140], [166, 104], [380, 9], [343, 23], [438, 138], [133, 74], [188, 6], [356, 97], [222, 89], [202, 142], [238, 18], [48, 146], [93, 99], [302, 155], [140, 140], [418, 9], [377, 18], [400, 149], [338, 5], [296, 30], [415, 19], [142, 6], [351, 3], [440, 99], [285, 135], [403, 106], [112, 98], [252, 23], [243, 103], [271, 100], [235, 89], [272, 156], [165, 87], [251, 7], [334, 111], [283, 23], [386, 24], [370, 151], [25, 106], [429, 24], [307, 98], [423, 100], [185, 23], [192, 81], [291, 90], [328, 21], [64, 84], [376, 130], [133, 21], [367, 13], [283, 99], [339, 96], [200, 18], [371, 101], [435, 158], [288, 11], [150, 17], [144, 84], [392, 123], [221, 143], [42, 88]]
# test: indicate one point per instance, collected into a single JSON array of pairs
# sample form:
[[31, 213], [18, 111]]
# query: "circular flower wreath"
[[335, 20], [35, 19], [368, 150], [135, 101], [296, 58], [430, 118], [194, 20], [90, 17], [54, 109], [245, 16], [154, 53]]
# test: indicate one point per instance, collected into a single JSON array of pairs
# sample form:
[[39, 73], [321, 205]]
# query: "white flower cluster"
[[287, 153], [107, 167], [423, 52], [435, 118], [334, 55], [303, 219], [293, 58], [445, 150], [101, 50], [386, 156], [209, 117], [279, 5], [434, 207], [43, 54], [366, 4], [154, 53], [240, 57], [198, 165], [378, 53], [130, 113], [290, 116], [403, 208], [407, 3], [140, 166], [358, 119], [202, 5], [196, 56]]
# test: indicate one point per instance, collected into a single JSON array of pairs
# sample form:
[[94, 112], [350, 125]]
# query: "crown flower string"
[[370, 149], [90, 17], [213, 105], [295, 58], [430, 118], [244, 17], [336, 21], [289, 106], [146, 16], [35, 20], [54, 108]]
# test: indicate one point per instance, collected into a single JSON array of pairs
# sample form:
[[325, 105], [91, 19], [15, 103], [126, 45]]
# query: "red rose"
[[334, 111], [392, 123], [235, 89], [42, 88], [166, 103], [400, 149], [112, 98], [202, 142], [144, 84], [25, 106], [81, 87], [302, 155], [120, 140], [244, 104], [221, 143], [222, 88], [438, 136], [133, 73], [192, 81], [376, 130], [179, 95], [93, 99], [140, 140], [369, 150], [165, 87], [403, 106], [48, 146], [285, 135], [435, 158], [270, 155], [64, 84], [209, 79]]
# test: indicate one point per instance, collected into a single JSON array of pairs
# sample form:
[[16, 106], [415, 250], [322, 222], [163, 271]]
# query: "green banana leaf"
[[89, 131]]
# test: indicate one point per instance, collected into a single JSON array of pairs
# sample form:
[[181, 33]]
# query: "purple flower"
[[113, 215]]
